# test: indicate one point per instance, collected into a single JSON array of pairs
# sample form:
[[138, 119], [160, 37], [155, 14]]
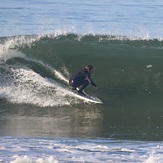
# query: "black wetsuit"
[[81, 78]]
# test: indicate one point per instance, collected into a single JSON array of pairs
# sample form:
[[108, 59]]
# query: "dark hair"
[[89, 67]]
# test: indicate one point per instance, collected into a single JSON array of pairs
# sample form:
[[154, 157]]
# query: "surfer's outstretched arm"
[[91, 81]]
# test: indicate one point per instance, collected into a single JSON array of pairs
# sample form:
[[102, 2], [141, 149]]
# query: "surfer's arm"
[[91, 81]]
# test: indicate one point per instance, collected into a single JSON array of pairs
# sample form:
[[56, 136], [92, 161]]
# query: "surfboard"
[[86, 97]]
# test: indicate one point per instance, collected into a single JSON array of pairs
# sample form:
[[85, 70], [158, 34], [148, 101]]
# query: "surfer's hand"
[[93, 84]]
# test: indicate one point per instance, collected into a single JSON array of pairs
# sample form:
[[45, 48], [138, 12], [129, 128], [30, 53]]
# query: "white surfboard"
[[87, 97]]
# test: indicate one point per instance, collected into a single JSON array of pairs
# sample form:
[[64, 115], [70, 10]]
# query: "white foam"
[[28, 159], [154, 159], [22, 85], [149, 66], [26, 86], [61, 76], [8, 48], [79, 150]]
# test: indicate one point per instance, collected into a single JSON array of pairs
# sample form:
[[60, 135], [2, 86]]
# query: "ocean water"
[[43, 42]]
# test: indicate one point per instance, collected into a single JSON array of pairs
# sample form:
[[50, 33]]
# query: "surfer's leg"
[[85, 84], [74, 84]]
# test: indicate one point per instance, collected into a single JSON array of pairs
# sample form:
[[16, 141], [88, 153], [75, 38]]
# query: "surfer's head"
[[89, 68]]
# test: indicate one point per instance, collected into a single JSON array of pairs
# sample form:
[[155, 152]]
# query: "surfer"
[[82, 78]]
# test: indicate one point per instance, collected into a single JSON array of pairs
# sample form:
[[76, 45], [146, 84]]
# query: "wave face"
[[33, 69]]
